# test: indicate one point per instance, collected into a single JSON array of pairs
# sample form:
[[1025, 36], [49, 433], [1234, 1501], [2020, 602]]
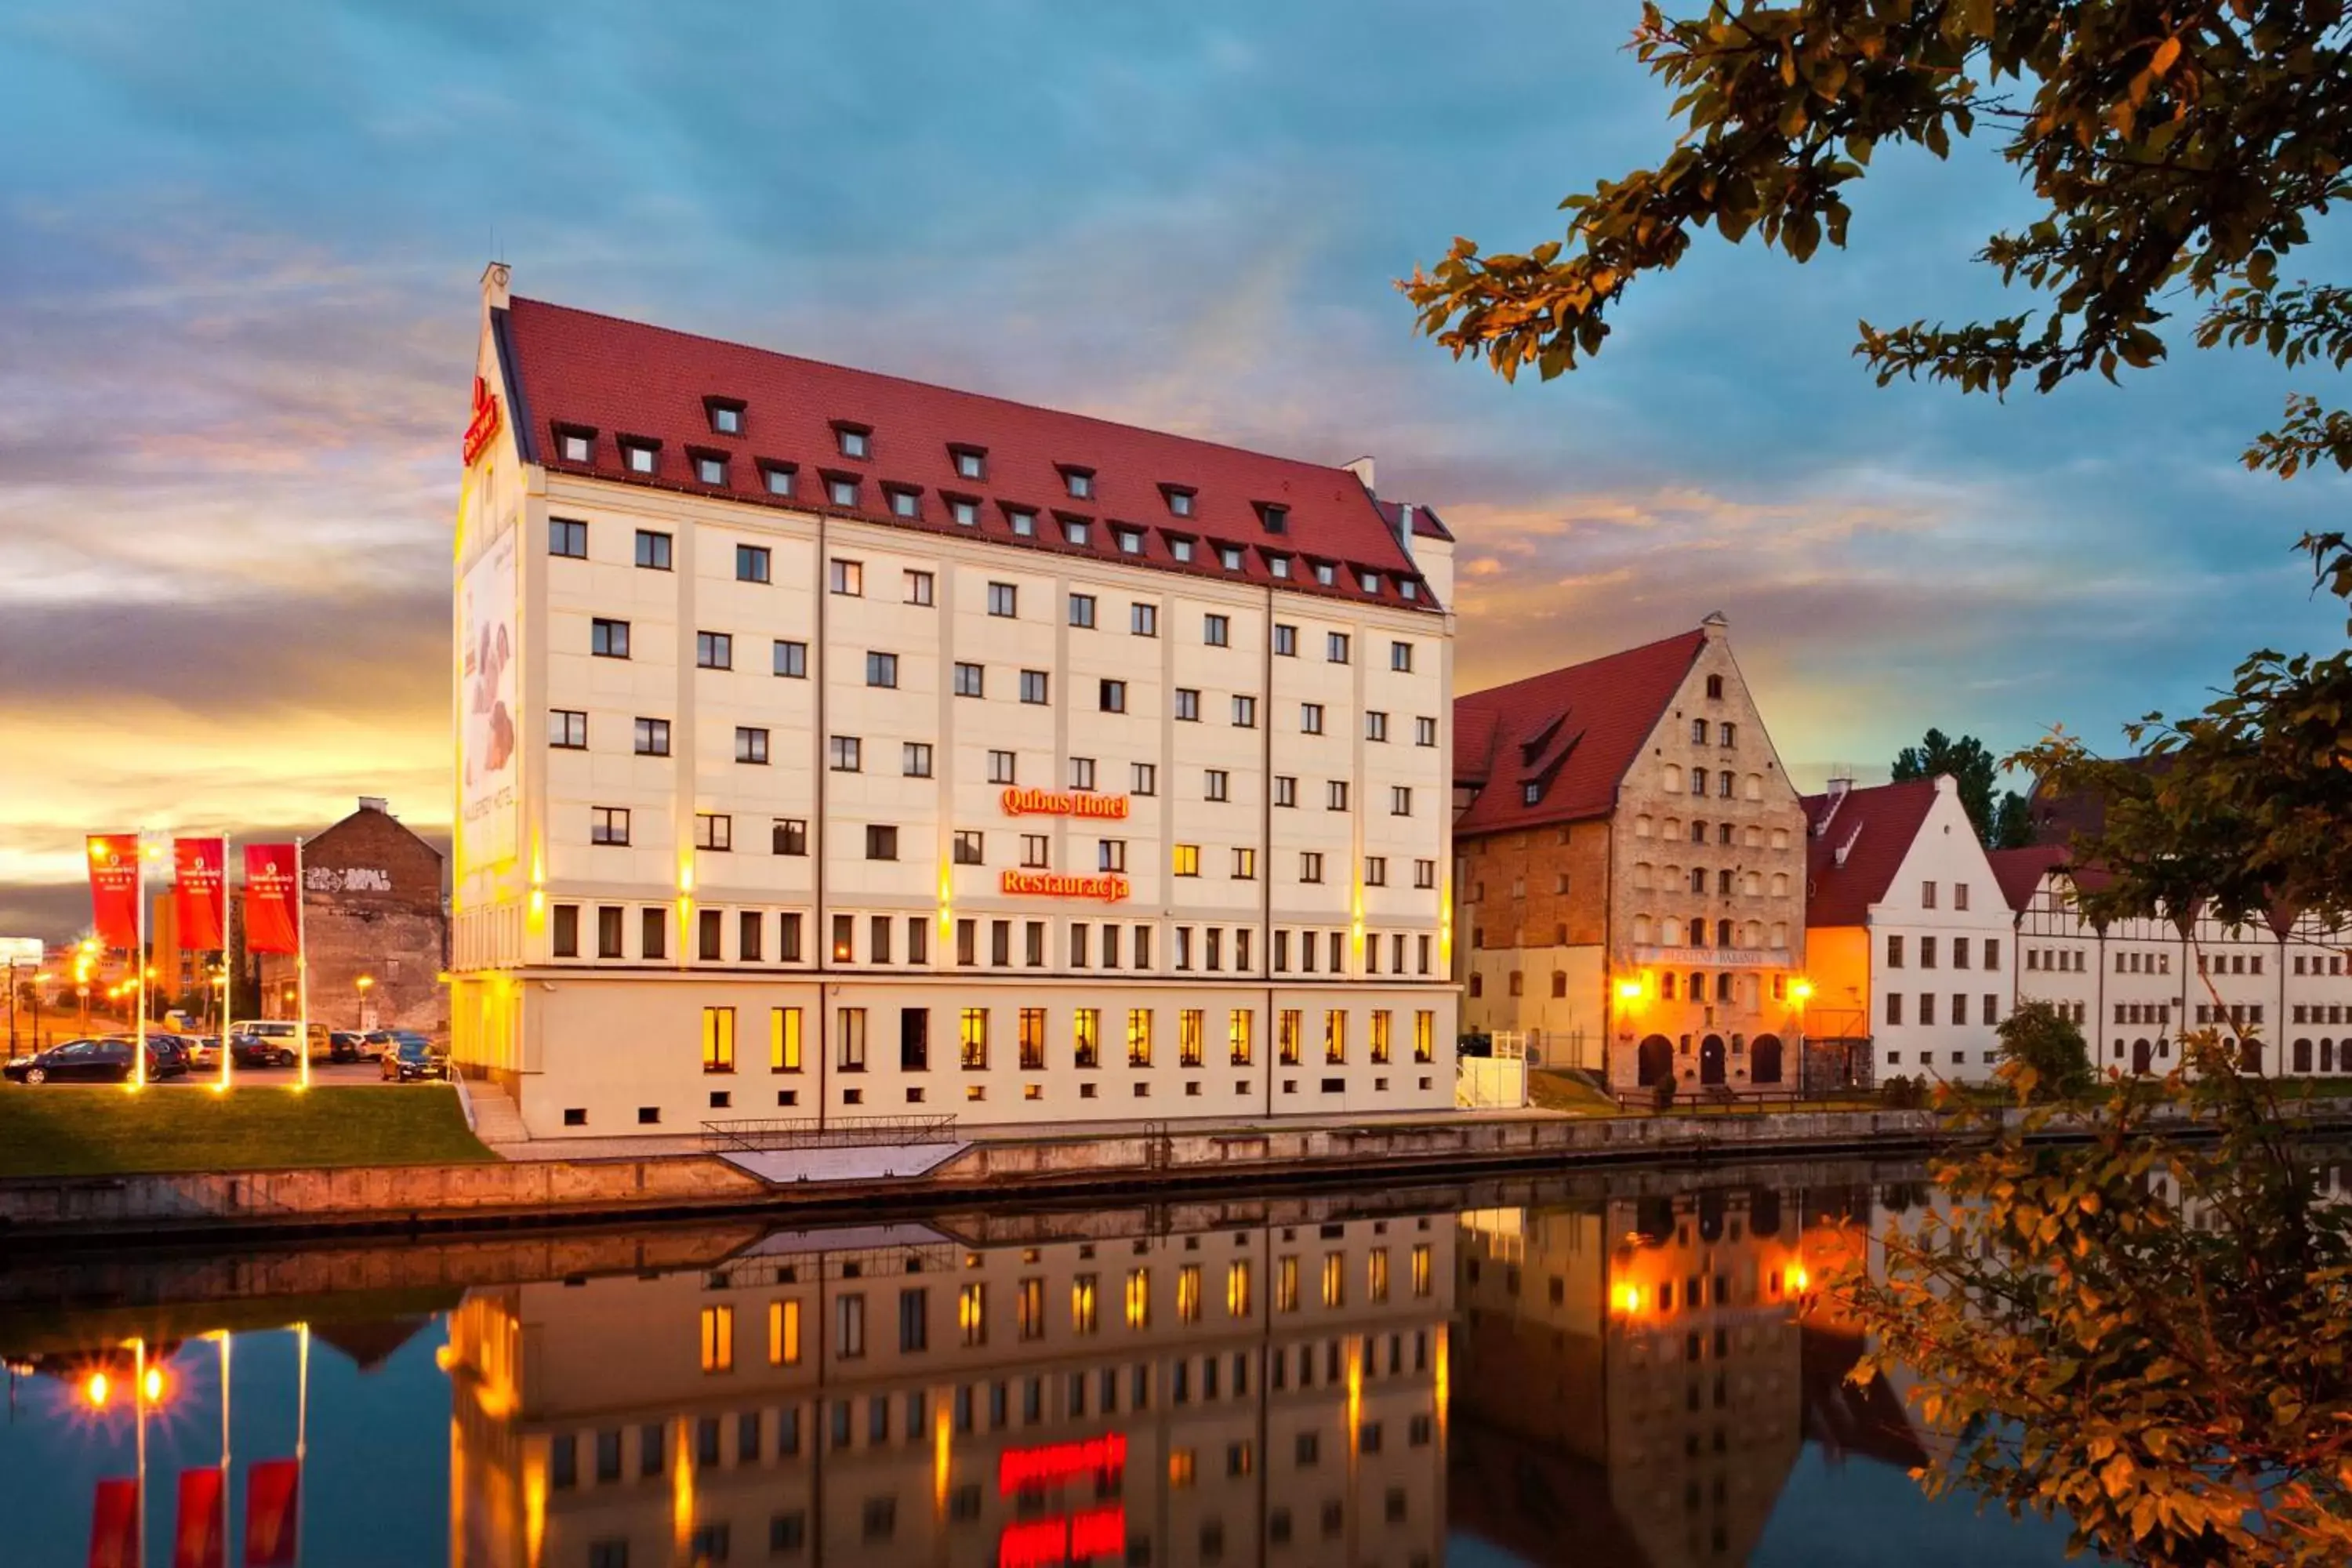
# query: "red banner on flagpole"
[[201, 1538], [114, 887], [271, 914], [200, 893], [114, 1523], [271, 1494]]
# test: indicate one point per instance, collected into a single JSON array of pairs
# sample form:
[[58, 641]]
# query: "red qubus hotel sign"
[[484, 424], [1107, 886]]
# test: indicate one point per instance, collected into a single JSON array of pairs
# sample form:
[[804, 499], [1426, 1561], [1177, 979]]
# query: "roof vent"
[[375, 802], [1846, 848], [1837, 793]]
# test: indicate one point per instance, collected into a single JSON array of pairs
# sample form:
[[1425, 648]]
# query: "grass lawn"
[[1565, 1091], [76, 1130]]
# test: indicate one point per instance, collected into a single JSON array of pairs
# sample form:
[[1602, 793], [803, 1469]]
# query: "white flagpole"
[[228, 914], [301, 969], [139, 971], [302, 1414]]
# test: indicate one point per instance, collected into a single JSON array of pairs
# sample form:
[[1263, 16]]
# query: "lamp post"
[[365, 982]]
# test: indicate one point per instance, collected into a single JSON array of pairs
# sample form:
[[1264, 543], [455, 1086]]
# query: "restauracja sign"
[[1107, 886]]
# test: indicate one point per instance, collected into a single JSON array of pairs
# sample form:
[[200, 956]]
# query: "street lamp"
[[366, 982]]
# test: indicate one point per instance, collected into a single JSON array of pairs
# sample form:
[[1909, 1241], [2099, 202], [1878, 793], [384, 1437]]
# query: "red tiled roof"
[[1575, 731], [2020, 871], [579, 369], [1879, 823]]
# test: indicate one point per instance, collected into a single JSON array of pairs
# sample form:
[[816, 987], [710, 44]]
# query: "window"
[[1310, 718], [1286, 791], [1138, 1036], [1425, 873], [608, 825], [1143, 778], [792, 661], [972, 1037], [968, 846], [1187, 704], [1376, 875], [1035, 850], [1285, 641], [1335, 646], [965, 510], [1245, 713], [637, 457], [789, 836], [1188, 860], [1082, 610], [1893, 950], [1082, 772], [608, 639], [714, 650], [567, 730], [1143, 620], [847, 577], [567, 538], [1129, 540], [653, 737], [844, 752], [1278, 565], [719, 1039], [921, 587], [713, 831], [751, 563], [1376, 726], [903, 503], [1335, 796], [1400, 799], [915, 759], [1310, 865], [1215, 784], [1023, 523], [1424, 732], [1110, 854], [1229, 556], [778, 478], [653, 551], [1927, 895], [853, 440], [971, 462], [1003, 768], [1401, 656], [1326, 574], [1032, 686], [1113, 697], [1245, 870], [1273, 518], [881, 669], [970, 680]]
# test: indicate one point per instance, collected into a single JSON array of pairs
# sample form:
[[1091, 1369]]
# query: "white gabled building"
[[831, 744], [1907, 937]]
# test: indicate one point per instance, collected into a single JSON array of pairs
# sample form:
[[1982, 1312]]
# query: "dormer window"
[[841, 488], [1407, 588], [906, 502], [709, 468], [1079, 482], [971, 462], [1023, 523], [776, 478], [1179, 499], [1369, 582], [1326, 574], [1230, 556], [575, 444], [1278, 565], [1076, 530], [1130, 541], [1179, 547], [638, 457], [1530, 793], [1274, 519], [965, 510], [726, 415], [854, 441]]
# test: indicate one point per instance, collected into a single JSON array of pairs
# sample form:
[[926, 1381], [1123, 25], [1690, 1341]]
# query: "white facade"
[[820, 816]]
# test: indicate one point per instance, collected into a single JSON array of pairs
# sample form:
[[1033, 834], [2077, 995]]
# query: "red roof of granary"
[[2020, 871], [1575, 731], [581, 371], [1876, 827]]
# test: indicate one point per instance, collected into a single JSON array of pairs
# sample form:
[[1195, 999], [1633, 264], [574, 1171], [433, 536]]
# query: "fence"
[[758, 1134]]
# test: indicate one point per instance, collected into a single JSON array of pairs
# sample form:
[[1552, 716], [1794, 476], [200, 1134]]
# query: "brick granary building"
[[372, 911]]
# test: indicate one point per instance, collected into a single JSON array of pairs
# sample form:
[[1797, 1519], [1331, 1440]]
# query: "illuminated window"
[[1188, 860], [784, 1039], [1188, 1293], [974, 1032], [1285, 1285], [1189, 1028], [1237, 1287], [1138, 1297], [1380, 1020], [1033, 1039], [1239, 1032], [1287, 1033], [719, 1339], [1335, 1278], [1085, 1030], [783, 1333], [1138, 1036], [1334, 1037], [719, 1039], [1376, 1275], [1029, 1308], [1181, 1467], [1083, 1316], [1421, 1280], [971, 1313]]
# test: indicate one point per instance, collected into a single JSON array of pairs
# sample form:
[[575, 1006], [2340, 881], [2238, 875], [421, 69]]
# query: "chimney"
[[375, 802], [1362, 468], [1717, 626], [495, 278]]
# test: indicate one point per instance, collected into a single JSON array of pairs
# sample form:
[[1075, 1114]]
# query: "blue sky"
[[238, 253]]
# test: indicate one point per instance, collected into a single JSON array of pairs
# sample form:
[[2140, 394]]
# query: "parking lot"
[[359, 1072]]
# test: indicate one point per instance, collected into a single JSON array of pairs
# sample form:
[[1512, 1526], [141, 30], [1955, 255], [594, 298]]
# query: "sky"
[[239, 253]]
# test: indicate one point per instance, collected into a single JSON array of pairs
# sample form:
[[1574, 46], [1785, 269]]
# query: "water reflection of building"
[[1633, 1376], [894, 1396]]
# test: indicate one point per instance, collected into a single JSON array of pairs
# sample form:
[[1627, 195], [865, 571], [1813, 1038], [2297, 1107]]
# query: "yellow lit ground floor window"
[[1239, 1035], [1190, 1025], [1237, 1287], [719, 1339], [1138, 1036], [1287, 1037], [1334, 1037], [1425, 1036], [719, 1039], [1086, 1036], [1033, 1039], [1380, 1020], [1138, 1297], [974, 1034], [784, 1040]]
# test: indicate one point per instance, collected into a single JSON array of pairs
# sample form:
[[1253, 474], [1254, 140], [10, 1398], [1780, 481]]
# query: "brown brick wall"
[[371, 906]]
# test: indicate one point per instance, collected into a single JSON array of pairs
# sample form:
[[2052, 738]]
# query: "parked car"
[[346, 1046], [258, 1051], [412, 1060], [379, 1041], [78, 1061], [168, 1056], [285, 1032]]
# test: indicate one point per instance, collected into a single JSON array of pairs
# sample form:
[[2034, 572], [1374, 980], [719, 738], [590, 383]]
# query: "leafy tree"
[[2042, 1041], [2151, 1335], [2178, 154], [2001, 820]]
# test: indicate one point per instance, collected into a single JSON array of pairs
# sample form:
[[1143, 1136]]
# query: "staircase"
[[496, 1123]]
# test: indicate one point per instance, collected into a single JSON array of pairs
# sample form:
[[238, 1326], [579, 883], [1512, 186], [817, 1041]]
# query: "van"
[[284, 1032]]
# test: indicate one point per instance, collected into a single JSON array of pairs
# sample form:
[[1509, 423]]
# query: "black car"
[[347, 1046], [79, 1061], [168, 1056], [253, 1051], [412, 1060]]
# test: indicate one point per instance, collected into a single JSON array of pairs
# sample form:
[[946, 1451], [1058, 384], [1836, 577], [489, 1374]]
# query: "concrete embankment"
[[1097, 1166]]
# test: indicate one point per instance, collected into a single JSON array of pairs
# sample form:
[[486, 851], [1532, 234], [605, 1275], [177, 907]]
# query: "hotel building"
[[831, 745], [1632, 869]]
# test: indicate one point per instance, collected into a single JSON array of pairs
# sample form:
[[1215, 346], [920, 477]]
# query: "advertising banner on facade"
[[270, 915], [486, 693], [200, 893], [114, 887]]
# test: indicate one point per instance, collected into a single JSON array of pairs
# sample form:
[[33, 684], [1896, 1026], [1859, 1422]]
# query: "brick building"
[[1630, 868], [373, 910]]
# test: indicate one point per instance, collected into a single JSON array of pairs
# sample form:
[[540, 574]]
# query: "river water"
[[1610, 1368]]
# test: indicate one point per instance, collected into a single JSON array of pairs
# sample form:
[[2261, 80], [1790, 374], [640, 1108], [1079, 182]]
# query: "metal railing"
[[762, 1134]]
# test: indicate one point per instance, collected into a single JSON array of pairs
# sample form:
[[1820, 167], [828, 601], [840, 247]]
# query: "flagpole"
[[301, 1412], [301, 980], [139, 971], [228, 913], [139, 1400]]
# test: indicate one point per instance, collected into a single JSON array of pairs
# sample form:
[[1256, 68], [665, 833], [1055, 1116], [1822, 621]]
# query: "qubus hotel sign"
[[1109, 887]]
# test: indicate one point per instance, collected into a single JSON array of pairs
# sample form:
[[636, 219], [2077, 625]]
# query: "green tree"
[[2000, 817], [2042, 1041], [2177, 154]]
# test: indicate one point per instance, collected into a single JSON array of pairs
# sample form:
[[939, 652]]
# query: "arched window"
[[1641, 929], [1780, 884], [1780, 838], [1723, 934], [1670, 932], [1715, 688], [1698, 832], [1698, 879], [1752, 884], [1723, 986], [1699, 781], [1723, 883], [1673, 779], [1697, 990], [1780, 934], [1698, 933], [1725, 783], [1642, 827], [1666, 986], [1643, 873], [1752, 935]]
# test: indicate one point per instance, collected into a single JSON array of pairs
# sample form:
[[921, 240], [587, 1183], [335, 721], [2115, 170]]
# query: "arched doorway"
[[2141, 1051], [1655, 1061], [2303, 1056], [1710, 1059], [1764, 1059], [2249, 1057]]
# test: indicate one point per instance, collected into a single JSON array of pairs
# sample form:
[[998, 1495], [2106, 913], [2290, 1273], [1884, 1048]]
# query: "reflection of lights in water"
[[1627, 1299], [1799, 1281], [97, 1389], [155, 1385]]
